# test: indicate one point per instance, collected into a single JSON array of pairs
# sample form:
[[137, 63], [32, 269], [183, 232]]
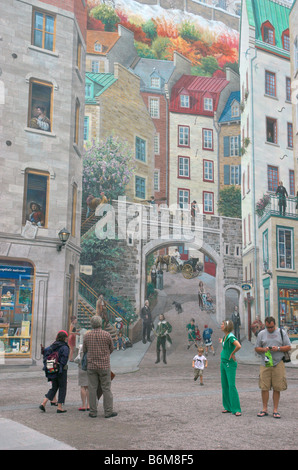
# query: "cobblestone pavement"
[[160, 407]]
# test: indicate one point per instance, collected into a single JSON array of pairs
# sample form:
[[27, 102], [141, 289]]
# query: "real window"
[[183, 167], [271, 130], [140, 187], [270, 83], [35, 206], [208, 206], [208, 170], [184, 101], [207, 139], [40, 105], [183, 136], [43, 32], [140, 149], [208, 104], [154, 107], [272, 178], [284, 248]]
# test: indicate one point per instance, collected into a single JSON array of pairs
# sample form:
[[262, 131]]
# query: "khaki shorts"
[[273, 377]]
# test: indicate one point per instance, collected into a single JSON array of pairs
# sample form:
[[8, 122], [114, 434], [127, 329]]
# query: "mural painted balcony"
[[274, 208]]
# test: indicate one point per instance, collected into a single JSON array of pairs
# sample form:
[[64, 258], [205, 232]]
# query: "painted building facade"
[[43, 53], [266, 121]]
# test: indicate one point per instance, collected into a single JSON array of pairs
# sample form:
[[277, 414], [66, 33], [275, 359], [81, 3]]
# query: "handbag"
[[84, 362], [286, 356]]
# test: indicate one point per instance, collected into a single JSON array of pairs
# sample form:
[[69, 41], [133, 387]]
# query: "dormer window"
[[155, 82], [235, 109], [268, 33], [208, 104], [97, 47], [286, 40], [184, 101]]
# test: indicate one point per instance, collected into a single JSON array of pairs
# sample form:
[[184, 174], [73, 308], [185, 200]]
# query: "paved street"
[[160, 407]]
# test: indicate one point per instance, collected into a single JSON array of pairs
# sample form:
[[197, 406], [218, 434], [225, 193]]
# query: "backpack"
[[52, 363]]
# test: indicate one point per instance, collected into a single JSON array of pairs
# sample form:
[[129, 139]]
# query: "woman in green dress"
[[228, 367]]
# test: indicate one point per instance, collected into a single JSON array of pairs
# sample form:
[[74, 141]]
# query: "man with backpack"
[[55, 358]]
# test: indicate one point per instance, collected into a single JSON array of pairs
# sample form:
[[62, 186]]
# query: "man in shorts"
[[273, 375]]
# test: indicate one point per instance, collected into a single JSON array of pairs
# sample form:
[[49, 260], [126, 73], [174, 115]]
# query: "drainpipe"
[[254, 188]]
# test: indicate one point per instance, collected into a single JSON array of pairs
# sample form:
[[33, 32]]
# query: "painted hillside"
[[158, 32]]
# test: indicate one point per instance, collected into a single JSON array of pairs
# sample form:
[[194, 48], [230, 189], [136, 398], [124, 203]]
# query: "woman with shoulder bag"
[[55, 358]]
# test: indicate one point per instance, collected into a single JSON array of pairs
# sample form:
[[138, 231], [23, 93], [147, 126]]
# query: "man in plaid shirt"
[[98, 344]]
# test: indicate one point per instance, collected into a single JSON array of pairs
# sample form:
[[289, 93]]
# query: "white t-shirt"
[[199, 362]]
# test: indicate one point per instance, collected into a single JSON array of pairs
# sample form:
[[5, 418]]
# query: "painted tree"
[[229, 204], [107, 166]]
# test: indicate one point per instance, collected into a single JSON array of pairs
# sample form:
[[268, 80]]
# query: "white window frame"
[[208, 104], [184, 101], [154, 107]]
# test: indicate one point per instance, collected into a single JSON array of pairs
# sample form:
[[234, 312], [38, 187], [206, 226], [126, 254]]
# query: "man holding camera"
[[271, 345]]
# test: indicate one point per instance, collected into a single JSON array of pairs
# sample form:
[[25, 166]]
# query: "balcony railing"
[[273, 209]]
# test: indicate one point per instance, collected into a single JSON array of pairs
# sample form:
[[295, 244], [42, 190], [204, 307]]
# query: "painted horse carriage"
[[189, 268]]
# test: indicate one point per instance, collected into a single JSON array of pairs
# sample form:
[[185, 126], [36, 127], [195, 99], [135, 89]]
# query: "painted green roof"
[[101, 82], [260, 11]]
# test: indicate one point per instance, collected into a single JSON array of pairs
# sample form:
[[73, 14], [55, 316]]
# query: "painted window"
[[154, 107], [288, 89], [286, 40], [35, 205], [270, 83], [86, 127], [292, 182], [156, 144], [272, 178], [268, 33], [97, 47], [231, 146], [155, 82], [156, 180], [40, 105], [235, 174], [43, 34], [184, 101], [88, 90], [290, 134], [208, 170], [74, 209], [207, 139], [208, 202], [183, 167], [285, 248], [235, 110], [95, 66], [183, 136], [140, 187], [183, 198], [140, 149], [208, 104], [77, 122], [271, 130], [79, 54]]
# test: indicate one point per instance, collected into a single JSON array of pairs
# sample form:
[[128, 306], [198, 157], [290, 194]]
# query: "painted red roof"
[[197, 88]]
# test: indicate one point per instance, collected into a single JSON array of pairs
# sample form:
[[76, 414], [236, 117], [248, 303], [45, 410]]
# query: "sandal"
[[237, 413], [276, 415], [261, 414], [225, 411]]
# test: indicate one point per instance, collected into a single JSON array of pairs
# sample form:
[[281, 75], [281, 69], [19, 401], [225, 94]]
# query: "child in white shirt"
[[199, 365]]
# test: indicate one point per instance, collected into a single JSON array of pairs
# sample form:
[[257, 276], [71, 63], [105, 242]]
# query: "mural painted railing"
[[91, 296], [273, 208]]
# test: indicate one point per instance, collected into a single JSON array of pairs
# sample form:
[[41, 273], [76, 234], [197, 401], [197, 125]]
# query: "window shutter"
[[226, 146], [226, 174]]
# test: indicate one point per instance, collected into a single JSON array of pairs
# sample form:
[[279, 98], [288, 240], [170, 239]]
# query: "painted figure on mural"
[[36, 215], [282, 195], [40, 120]]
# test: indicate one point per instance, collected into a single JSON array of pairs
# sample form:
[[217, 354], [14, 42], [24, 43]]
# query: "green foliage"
[[189, 32], [150, 289], [229, 204], [106, 15], [159, 47], [150, 29], [145, 51], [208, 66]]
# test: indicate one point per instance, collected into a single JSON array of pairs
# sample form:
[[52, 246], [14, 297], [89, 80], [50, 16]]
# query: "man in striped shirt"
[[98, 344]]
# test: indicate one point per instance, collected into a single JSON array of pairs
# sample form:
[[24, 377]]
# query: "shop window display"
[[16, 301], [288, 311]]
